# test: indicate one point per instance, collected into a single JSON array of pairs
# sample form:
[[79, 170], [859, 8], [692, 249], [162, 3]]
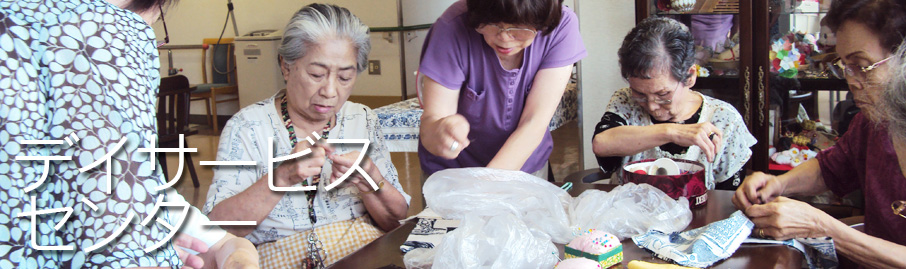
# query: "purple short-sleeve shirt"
[[864, 158], [490, 97]]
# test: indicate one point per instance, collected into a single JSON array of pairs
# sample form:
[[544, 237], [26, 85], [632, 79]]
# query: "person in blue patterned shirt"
[[88, 69]]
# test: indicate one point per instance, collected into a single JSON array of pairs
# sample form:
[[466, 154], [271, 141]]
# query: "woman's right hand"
[[758, 188], [449, 136], [699, 134], [295, 171]]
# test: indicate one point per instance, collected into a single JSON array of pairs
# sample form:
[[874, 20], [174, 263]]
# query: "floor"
[[564, 160]]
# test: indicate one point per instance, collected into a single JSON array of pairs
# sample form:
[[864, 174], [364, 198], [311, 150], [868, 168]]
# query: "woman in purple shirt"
[[868, 32], [506, 62]]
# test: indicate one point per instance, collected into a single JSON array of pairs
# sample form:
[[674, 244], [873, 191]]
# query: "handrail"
[[400, 28], [179, 47], [170, 48]]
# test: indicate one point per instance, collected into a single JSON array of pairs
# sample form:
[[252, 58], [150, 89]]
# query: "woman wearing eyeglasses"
[[868, 32], [495, 72], [659, 115]]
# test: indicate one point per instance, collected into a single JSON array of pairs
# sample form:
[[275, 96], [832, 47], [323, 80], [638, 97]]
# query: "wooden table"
[[384, 252]]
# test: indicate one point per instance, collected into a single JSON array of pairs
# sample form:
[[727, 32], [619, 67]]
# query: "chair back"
[[223, 61], [173, 109]]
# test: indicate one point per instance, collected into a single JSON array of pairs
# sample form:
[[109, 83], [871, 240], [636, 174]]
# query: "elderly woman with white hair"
[[323, 50], [894, 104]]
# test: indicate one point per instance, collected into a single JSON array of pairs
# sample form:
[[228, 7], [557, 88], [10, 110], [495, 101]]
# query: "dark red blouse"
[[864, 158]]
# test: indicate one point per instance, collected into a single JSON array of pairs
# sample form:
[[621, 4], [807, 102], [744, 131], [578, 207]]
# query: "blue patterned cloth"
[[699, 247], [706, 245], [399, 122], [818, 252], [88, 68]]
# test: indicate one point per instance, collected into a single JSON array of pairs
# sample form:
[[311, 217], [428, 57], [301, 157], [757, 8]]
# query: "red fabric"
[[783, 167], [779, 167]]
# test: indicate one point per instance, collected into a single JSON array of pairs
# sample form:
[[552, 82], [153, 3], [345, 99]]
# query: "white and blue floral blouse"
[[245, 138], [89, 69]]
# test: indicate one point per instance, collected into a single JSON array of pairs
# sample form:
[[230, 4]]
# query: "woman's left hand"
[[344, 162], [785, 218]]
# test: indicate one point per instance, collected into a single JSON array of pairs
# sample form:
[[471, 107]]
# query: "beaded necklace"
[[316, 253], [310, 195]]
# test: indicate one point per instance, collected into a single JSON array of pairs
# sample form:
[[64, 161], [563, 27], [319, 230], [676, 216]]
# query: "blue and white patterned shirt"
[[245, 139], [88, 68]]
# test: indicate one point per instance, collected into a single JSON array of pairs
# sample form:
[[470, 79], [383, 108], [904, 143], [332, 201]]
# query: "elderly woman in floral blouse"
[[324, 48], [660, 116]]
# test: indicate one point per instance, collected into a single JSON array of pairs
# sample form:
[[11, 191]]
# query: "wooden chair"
[[223, 77], [173, 120]]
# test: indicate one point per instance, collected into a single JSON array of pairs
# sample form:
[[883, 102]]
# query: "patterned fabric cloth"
[[699, 247], [736, 143], [245, 138], [89, 69], [339, 238], [399, 122], [703, 246]]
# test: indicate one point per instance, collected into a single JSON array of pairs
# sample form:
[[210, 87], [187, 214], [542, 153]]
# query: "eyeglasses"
[[898, 208], [841, 70], [520, 34], [644, 100], [166, 34]]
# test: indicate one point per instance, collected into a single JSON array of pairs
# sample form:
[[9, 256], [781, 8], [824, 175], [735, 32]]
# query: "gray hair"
[[657, 44], [314, 22], [894, 101]]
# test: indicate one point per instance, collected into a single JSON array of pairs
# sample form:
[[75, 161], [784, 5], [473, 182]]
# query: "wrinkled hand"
[[241, 260], [453, 128], [344, 162], [785, 218], [758, 188], [186, 241], [245, 257], [697, 134], [295, 171]]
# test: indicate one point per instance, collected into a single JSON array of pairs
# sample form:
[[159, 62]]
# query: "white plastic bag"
[[629, 210], [501, 241], [456, 193], [419, 258]]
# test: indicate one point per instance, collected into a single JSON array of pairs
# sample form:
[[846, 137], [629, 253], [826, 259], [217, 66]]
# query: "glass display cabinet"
[[768, 59]]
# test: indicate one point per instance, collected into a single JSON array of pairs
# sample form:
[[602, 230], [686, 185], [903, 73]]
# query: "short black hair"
[[657, 44], [139, 6], [886, 17], [543, 15]]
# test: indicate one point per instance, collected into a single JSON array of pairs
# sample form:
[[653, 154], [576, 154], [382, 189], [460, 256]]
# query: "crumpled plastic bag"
[[486, 192], [419, 258], [501, 241], [629, 210]]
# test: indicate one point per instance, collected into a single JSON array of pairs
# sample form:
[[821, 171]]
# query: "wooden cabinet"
[[748, 84]]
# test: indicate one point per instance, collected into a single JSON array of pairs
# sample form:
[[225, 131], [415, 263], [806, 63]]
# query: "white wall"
[[603, 24], [190, 21], [418, 12]]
